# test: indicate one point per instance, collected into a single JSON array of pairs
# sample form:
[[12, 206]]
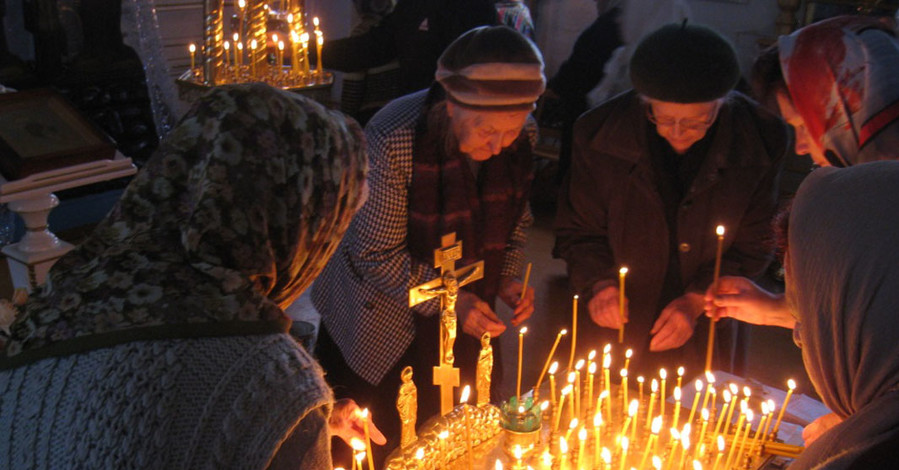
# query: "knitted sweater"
[[247, 402]]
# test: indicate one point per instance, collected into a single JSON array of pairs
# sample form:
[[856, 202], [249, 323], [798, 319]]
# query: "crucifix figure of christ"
[[447, 287]]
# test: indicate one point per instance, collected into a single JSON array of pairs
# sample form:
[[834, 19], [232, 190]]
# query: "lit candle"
[[622, 273], [705, 424], [319, 41], [663, 374], [552, 384], [524, 285], [573, 331], [572, 405], [653, 387], [604, 395], [627, 358], [365, 416], [240, 50], [680, 376], [193, 56], [444, 457], [358, 450], [733, 406], [606, 363], [624, 401], [236, 38], [711, 344], [253, 46], [419, 456], [516, 452], [685, 446], [721, 417], [632, 410], [546, 364], [677, 396], [628, 419], [582, 437], [673, 441], [710, 378], [792, 386], [624, 445], [359, 458], [565, 391], [606, 458], [578, 389], [563, 452], [699, 386], [227, 47], [304, 40], [697, 465], [464, 399], [653, 438], [295, 53], [640, 381], [571, 427], [591, 371], [739, 440], [656, 462], [766, 414], [280, 57], [734, 441], [521, 333], [765, 435], [720, 452]]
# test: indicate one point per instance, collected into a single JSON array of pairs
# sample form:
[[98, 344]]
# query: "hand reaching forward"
[[347, 422]]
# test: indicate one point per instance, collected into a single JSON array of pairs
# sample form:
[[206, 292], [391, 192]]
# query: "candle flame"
[[623, 372], [656, 424], [677, 393], [241, 4], [592, 368], [240, 46], [699, 385], [571, 377], [573, 423], [465, 392], [640, 379], [623, 271], [749, 415], [563, 332], [227, 45], [253, 44], [771, 405], [304, 37], [280, 45], [764, 408], [499, 465], [363, 413], [792, 384], [680, 371], [274, 38], [606, 455], [720, 443], [294, 37], [656, 462], [632, 408], [516, 451], [663, 373], [192, 47], [607, 348], [743, 407], [520, 410], [705, 414], [709, 377], [592, 355], [360, 457], [547, 458], [597, 420], [236, 37], [563, 445], [357, 444], [553, 368], [606, 361], [697, 465], [544, 405], [290, 18], [719, 230], [727, 396], [582, 434], [654, 386], [315, 22], [628, 353], [420, 453], [625, 443], [685, 440], [734, 390], [443, 434], [567, 389], [523, 330], [747, 392], [579, 364], [604, 394]]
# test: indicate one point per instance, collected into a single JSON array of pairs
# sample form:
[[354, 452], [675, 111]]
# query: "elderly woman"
[[452, 158], [160, 342], [837, 83], [842, 273], [654, 171]]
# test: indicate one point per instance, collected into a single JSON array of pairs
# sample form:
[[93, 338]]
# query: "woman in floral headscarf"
[[161, 342], [837, 83]]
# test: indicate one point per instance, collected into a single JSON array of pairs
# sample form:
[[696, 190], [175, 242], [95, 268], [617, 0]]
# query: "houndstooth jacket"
[[363, 292]]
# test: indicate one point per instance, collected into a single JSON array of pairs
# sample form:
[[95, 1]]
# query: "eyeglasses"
[[685, 124]]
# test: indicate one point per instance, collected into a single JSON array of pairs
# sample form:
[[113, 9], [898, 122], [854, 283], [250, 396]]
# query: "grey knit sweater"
[[247, 402]]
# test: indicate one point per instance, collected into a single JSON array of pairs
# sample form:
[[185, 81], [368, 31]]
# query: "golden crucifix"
[[447, 287]]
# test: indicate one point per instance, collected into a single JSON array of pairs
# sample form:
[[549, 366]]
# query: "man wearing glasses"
[[654, 172]]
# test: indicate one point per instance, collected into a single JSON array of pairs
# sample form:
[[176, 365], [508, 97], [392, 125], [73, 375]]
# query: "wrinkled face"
[[483, 134], [682, 124], [805, 144]]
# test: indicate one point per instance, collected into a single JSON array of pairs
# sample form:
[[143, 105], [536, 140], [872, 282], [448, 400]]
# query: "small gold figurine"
[[407, 405], [485, 368]]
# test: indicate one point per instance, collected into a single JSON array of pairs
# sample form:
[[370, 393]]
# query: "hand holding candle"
[[711, 343]]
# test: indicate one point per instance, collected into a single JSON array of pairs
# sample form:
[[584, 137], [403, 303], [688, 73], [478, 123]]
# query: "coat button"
[[684, 247]]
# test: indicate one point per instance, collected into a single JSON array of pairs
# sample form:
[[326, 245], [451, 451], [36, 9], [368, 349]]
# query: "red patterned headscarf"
[[843, 79]]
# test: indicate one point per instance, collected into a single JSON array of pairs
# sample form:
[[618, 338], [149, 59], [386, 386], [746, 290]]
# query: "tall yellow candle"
[[792, 386], [627, 358], [319, 42], [705, 425], [578, 388], [582, 438], [524, 285], [572, 405], [253, 46], [663, 374], [622, 273], [193, 56], [597, 437], [719, 230], [653, 388], [521, 333], [677, 397], [766, 414], [740, 442], [563, 452], [464, 399], [632, 411], [367, 417], [227, 46], [625, 443], [606, 455], [640, 381], [653, 438], [733, 442], [552, 384], [685, 448], [771, 408], [573, 331], [606, 362], [733, 406], [624, 400], [699, 386], [358, 450], [565, 391], [720, 452], [304, 40], [721, 417], [710, 378], [589, 397], [680, 376], [547, 363]]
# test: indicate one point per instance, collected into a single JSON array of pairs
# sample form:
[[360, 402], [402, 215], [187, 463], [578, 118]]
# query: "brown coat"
[[611, 213]]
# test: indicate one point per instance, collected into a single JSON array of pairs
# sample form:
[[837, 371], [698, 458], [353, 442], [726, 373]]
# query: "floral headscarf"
[[843, 79], [230, 221], [843, 279]]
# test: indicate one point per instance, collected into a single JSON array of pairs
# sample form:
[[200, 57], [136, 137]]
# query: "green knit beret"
[[683, 63]]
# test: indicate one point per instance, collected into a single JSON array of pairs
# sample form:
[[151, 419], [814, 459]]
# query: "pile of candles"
[[262, 45]]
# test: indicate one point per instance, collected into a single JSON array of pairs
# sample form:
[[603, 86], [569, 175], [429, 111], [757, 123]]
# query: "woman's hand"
[[476, 317], [741, 299], [676, 323], [348, 422], [819, 426], [523, 306]]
